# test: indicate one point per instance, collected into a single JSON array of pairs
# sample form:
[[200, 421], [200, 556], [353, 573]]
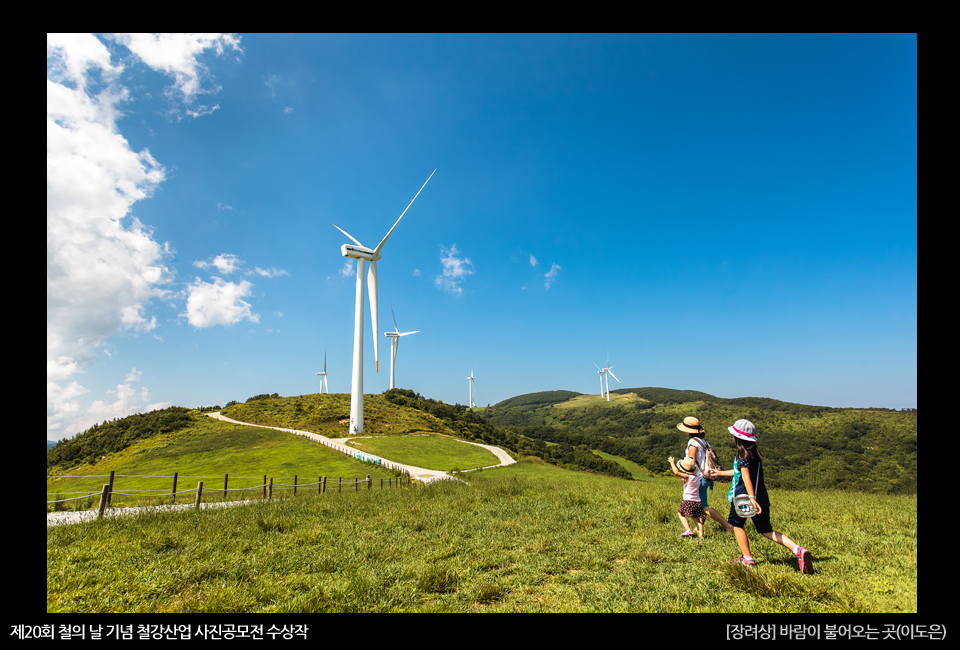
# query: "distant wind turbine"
[[323, 375], [394, 344], [363, 255], [603, 374], [472, 385]]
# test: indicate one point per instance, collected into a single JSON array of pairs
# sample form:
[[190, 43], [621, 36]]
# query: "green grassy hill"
[[526, 538], [206, 449], [329, 415], [805, 446]]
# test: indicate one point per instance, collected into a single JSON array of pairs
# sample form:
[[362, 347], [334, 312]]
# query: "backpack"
[[710, 460]]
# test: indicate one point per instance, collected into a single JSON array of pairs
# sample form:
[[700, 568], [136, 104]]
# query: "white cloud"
[[551, 274], [272, 272], [227, 263], [104, 267], [178, 55], [348, 269], [218, 303], [224, 263], [533, 261], [224, 206], [416, 273], [455, 270], [68, 418], [271, 83]]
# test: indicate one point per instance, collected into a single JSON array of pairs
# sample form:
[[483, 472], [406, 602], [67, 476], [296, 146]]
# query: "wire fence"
[[267, 486]]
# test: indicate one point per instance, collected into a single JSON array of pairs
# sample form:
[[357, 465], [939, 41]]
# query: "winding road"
[[339, 444], [419, 473]]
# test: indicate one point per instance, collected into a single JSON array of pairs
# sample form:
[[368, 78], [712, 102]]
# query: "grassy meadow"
[[525, 538], [206, 451], [427, 451]]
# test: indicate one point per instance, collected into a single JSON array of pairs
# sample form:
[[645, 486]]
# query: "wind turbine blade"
[[324, 361], [352, 238], [395, 328], [613, 375], [377, 249], [597, 367], [405, 333], [372, 288]]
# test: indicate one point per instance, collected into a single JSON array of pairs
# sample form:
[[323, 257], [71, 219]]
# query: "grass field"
[[528, 537], [427, 451], [206, 451]]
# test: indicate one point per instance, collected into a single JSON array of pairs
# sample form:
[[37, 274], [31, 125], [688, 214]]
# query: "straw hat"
[[743, 429], [690, 425], [687, 465]]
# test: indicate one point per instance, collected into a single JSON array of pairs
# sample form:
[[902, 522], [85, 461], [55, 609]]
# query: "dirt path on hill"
[[339, 444], [419, 473]]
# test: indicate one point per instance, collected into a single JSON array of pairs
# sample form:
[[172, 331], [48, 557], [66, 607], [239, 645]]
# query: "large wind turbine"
[[394, 344], [603, 375], [323, 375], [363, 255], [472, 385]]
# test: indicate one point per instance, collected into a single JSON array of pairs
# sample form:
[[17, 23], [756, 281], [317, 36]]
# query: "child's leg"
[[700, 521], [780, 538], [717, 517], [683, 520], [742, 540]]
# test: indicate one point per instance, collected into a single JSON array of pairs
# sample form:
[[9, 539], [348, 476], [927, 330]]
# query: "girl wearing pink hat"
[[747, 475]]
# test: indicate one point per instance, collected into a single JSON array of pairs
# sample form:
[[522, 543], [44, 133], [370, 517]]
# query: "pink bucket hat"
[[743, 429]]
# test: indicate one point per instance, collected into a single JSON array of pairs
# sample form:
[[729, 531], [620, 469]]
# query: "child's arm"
[[713, 474], [748, 483], [673, 466]]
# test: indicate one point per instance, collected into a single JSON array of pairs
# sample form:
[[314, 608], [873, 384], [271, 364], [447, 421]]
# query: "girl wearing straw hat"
[[696, 451], [747, 475], [690, 505]]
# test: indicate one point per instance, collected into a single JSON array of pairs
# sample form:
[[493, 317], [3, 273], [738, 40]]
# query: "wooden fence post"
[[356, 485], [199, 494], [225, 477], [264, 486], [174, 499], [270, 491], [294, 485], [369, 483], [110, 493], [339, 484], [323, 485], [104, 497]]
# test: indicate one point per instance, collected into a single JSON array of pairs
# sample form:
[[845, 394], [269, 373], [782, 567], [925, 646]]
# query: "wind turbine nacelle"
[[359, 252]]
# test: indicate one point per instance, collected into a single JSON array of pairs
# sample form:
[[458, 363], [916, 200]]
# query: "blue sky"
[[731, 214]]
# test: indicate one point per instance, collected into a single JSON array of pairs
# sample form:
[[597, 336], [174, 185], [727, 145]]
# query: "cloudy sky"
[[731, 214]]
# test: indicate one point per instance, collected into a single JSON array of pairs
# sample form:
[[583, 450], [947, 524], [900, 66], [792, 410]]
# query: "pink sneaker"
[[805, 559], [687, 533], [744, 561]]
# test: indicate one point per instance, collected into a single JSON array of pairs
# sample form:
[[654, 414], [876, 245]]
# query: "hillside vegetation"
[[873, 450], [204, 449], [805, 447]]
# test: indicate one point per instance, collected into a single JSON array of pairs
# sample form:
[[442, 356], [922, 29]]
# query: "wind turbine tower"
[[394, 344], [323, 375], [363, 255], [472, 385], [603, 377]]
